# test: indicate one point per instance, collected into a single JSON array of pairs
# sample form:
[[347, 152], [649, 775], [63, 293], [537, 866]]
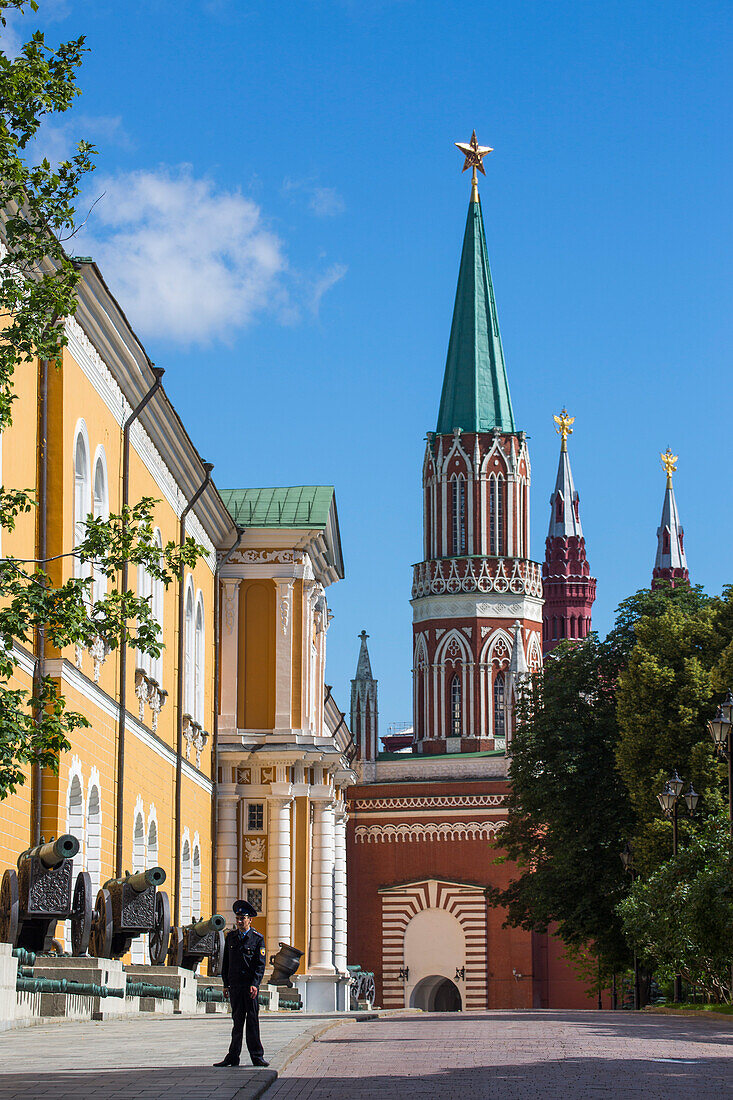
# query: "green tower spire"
[[475, 393]]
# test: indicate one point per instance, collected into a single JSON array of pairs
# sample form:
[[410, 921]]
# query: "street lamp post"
[[669, 801], [720, 731], [627, 858]]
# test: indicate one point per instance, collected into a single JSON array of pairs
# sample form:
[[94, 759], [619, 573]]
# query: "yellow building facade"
[[116, 787], [225, 760], [285, 751]]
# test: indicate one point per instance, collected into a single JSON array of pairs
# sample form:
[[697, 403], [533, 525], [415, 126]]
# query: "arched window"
[[459, 516], [137, 951], [499, 708], [199, 650], [559, 508], [497, 541], [665, 541], [75, 826], [145, 592], [188, 704], [196, 891], [101, 511], [94, 838], [455, 706], [158, 592], [186, 882], [81, 498], [152, 856]]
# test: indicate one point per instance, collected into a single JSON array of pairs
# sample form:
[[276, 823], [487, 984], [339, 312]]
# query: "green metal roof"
[[296, 506], [475, 393]]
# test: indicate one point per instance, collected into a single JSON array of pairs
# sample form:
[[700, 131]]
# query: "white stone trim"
[[427, 830], [69, 674], [478, 606]]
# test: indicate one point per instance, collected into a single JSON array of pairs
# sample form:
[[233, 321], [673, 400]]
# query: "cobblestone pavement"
[[513, 1055], [167, 1056]]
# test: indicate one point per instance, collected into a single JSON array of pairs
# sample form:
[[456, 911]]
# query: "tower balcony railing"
[[518, 576]]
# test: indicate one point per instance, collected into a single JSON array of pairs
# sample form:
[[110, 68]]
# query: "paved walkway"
[[165, 1056], [513, 1055]]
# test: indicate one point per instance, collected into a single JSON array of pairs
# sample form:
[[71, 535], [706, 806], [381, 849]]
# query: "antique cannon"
[[203, 940], [128, 907], [39, 894], [284, 964]]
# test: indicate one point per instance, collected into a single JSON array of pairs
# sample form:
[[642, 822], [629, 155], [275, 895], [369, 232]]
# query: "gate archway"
[[436, 993]]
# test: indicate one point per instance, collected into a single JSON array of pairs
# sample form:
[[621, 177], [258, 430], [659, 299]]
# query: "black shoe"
[[227, 1062], [259, 1062]]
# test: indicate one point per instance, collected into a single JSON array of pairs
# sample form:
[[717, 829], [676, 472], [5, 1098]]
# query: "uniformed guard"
[[242, 970]]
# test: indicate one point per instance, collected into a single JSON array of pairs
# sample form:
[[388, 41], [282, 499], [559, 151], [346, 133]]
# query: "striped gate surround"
[[467, 903]]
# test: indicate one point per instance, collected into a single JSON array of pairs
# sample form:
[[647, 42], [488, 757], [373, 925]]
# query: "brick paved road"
[[167, 1056], [513, 1055]]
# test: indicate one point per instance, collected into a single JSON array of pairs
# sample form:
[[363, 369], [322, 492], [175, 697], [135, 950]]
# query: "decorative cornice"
[[422, 802], [518, 576], [428, 830], [476, 607], [90, 362]]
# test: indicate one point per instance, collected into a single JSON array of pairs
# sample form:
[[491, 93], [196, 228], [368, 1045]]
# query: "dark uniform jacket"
[[244, 958]]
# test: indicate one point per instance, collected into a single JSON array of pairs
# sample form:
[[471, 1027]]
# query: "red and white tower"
[[567, 585], [476, 580], [671, 561]]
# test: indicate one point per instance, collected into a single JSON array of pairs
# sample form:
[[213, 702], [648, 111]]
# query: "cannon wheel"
[[9, 907], [175, 951], [81, 914], [102, 927], [161, 930], [216, 958]]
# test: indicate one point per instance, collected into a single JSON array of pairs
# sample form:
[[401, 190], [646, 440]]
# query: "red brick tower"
[[671, 561], [476, 580], [567, 585]]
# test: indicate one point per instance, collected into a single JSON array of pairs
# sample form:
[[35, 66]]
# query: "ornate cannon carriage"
[[129, 907], [202, 940], [39, 894]]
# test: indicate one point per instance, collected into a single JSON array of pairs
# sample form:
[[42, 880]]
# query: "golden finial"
[[563, 428], [669, 462], [474, 154]]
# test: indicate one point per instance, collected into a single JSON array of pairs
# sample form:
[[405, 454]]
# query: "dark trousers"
[[245, 1009]]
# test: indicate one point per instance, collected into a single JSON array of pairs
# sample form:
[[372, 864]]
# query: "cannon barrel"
[[154, 876], [53, 853], [217, 923]]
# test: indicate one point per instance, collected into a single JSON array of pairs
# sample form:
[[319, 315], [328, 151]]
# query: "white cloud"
[[188, 262], [323, 283], [324, 202], [57, 141]]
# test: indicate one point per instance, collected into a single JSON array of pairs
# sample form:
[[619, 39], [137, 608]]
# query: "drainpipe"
[[158, 373], [42, 554], [208, 467], [215, 746]]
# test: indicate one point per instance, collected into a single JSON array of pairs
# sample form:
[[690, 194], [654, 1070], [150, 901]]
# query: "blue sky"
[[282, 221]]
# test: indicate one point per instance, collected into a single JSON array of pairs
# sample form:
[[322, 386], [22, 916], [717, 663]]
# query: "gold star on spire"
[[474, 154], [563, 428], [669, 462]]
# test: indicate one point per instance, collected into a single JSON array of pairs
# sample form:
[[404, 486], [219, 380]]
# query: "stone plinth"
[[175, 977], [8, 975], [203, 1008], [109, 972]]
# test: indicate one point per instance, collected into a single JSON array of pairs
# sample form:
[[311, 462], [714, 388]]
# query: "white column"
[[339, 911], [279, 876], [321, 941], [227, 841], [284, 654], [229, 652]]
